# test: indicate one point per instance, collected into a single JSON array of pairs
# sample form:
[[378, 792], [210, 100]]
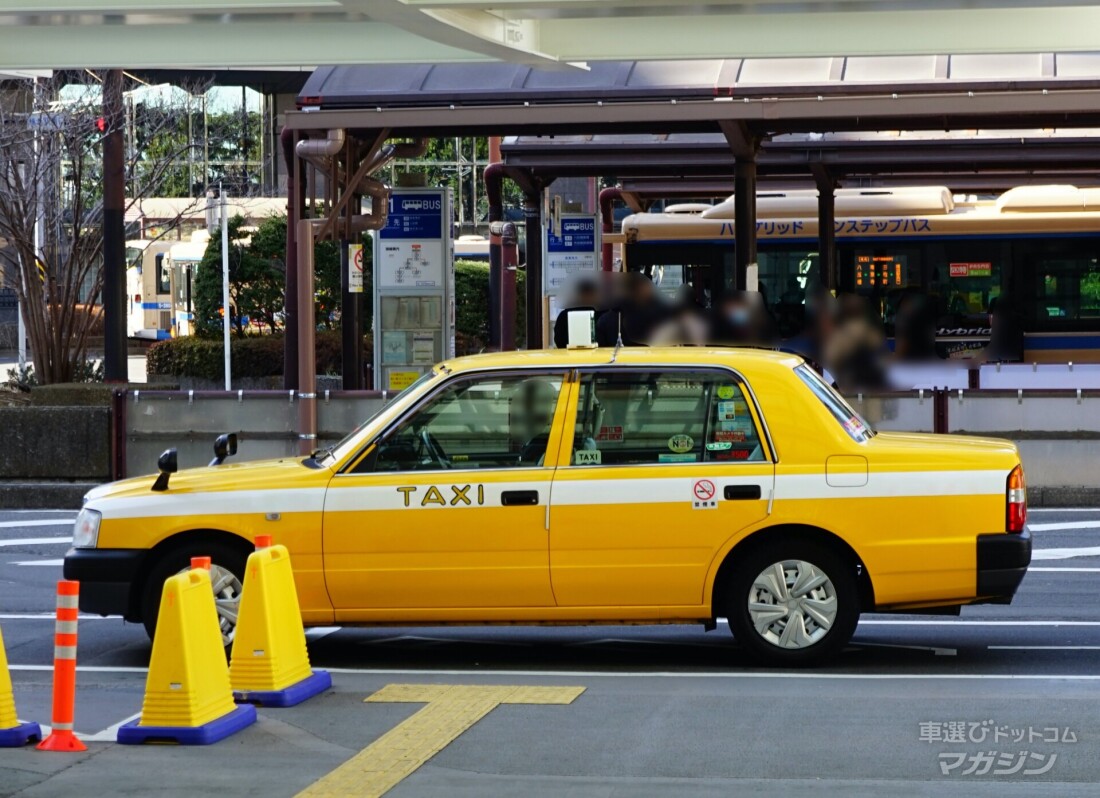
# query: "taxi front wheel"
[[793, 603], [227, 567]]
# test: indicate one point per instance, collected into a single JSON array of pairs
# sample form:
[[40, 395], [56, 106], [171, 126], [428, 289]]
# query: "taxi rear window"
[[631, 417], [858, 429]]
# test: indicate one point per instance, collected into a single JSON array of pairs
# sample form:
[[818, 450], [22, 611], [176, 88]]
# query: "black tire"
[[819, 644], [176, 559]]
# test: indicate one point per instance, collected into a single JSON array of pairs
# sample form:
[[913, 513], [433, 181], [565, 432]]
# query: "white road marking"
[[49, 522], [1064, 525], [1065, 554], [1065, 570], [110, 734], [49, 616], [1045, 648], [428, 672], [51, 563], [37, 541], [1063, 510], [976, 623]]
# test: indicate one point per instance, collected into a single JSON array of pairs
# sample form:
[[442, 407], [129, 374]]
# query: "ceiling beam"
[[1034, 29], [245, 43], [474, 29]]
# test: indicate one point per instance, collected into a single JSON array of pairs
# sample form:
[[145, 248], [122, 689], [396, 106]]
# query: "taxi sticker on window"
[[676, 458], [727, 411], [614, 434], [589, 457], [719, 446], [681, 443], [726, 391], [729, 436]]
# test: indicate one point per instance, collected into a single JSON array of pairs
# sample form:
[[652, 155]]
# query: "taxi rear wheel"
[[227, 567], [793, 603]]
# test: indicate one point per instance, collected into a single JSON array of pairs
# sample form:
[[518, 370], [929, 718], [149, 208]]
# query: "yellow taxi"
[[591, 486]]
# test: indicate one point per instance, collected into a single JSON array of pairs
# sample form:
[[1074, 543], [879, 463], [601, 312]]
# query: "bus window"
[[884, 275], [786, 277], [1069, 288], [164, 279]]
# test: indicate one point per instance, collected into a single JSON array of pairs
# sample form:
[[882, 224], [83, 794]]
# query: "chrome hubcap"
[[792, 604], [227, 599]]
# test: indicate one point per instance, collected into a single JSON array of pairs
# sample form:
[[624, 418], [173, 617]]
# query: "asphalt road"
[[664, 711]]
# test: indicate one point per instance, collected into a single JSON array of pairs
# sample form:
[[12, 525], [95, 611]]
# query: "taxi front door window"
[[499, 422]]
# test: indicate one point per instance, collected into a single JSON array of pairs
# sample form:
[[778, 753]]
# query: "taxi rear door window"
[[663, 417]]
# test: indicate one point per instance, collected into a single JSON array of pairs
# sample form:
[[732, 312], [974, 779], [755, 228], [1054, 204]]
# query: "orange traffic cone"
[[64, 672]]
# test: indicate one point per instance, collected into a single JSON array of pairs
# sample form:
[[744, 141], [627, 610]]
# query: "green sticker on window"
[[719, 446], [681, 443], [726, 391], [675, 458]]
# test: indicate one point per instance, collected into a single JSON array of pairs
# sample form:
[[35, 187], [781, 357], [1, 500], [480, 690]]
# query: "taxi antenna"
[[618, 339]]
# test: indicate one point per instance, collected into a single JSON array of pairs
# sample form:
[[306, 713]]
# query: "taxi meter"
[[413, 287]]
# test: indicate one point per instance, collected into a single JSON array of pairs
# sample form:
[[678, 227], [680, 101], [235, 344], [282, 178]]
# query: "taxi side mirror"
[[224, 446], [168, 463]]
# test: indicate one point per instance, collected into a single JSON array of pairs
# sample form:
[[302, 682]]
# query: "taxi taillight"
[[1016, 501]]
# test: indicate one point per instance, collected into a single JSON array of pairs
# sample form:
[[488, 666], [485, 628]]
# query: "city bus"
[[148, 290], [182, 260], [1035, 246]]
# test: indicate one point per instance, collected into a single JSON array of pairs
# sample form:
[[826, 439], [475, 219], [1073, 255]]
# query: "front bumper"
[[106, 577], [1002, 562]]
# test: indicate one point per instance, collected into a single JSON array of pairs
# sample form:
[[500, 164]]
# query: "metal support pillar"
[[307, 350], [826, 226], [744, 219], [114, 232], [532, 216]]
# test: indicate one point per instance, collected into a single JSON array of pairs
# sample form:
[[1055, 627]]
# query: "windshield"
[[858, 429], [338, 451]]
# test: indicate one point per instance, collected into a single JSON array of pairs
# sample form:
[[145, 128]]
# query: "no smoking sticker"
[[703, 495]]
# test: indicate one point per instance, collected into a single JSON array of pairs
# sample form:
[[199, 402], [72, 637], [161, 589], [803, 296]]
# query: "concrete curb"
[[43, 495], [1063, 497]]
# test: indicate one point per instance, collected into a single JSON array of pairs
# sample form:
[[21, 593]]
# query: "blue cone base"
[[20, 735], [218, 729], [288, 697]]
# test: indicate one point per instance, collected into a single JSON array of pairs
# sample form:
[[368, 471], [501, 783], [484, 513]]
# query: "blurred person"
[[915, 328], [687, 325], [1006, 342], [585, 296], [817, 328], [738, 319], [633, 318], [853, 353]]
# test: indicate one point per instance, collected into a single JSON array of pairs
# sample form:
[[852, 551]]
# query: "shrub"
[[253, 356]]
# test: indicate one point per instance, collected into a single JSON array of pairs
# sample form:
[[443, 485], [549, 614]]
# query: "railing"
[[1058, 431]]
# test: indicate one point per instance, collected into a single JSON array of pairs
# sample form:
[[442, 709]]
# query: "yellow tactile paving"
[[451, 709]]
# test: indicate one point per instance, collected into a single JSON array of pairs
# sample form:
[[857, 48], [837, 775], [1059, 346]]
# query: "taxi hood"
[[283, 472]]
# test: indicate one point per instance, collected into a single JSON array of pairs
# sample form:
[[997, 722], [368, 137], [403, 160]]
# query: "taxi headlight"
[[86, 529]]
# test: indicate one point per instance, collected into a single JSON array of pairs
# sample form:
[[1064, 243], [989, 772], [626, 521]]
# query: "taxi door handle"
[[741, 492], [519, 497]]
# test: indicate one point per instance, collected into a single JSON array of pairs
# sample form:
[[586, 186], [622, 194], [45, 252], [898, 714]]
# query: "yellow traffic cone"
[[270, 664], [187, 695], [12, 732]]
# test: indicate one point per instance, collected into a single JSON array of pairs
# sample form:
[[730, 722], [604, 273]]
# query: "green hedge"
[[253, 356], [256, 356]]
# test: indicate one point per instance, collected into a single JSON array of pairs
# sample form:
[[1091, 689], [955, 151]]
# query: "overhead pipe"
[[314, 150], [608, 196], [494, 193]]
